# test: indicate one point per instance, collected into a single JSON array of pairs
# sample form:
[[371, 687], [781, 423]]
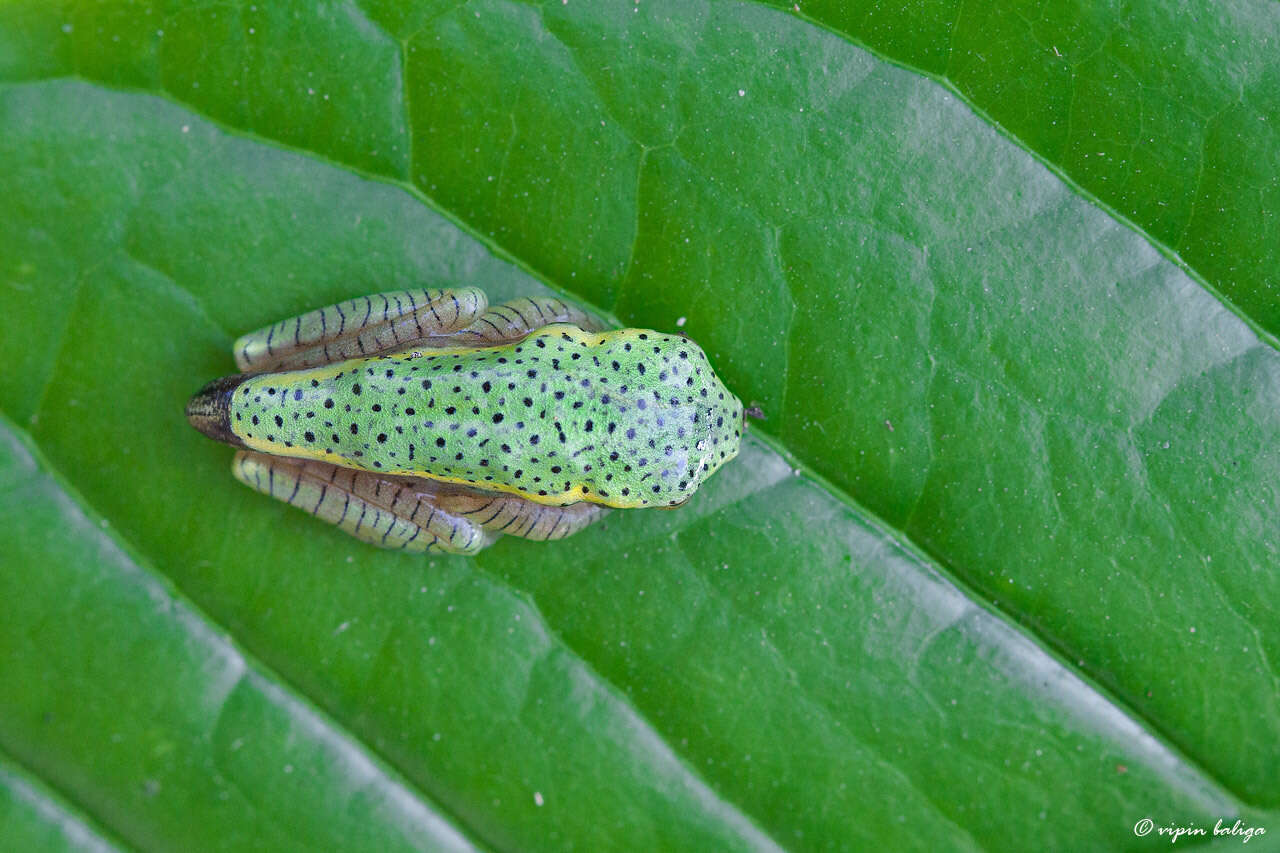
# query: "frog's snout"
[[209, 410]]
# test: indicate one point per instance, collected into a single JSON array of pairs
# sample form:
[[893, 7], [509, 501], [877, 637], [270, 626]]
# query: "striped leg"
[[408, 513], [517, 516], [516, 319], [358, 327], [391, 512]]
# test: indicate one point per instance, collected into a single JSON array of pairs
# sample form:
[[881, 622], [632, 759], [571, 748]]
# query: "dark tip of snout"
[[753, 412], [209, 410]]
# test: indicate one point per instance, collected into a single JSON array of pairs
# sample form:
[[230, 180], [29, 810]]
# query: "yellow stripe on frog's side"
[[564, 498]]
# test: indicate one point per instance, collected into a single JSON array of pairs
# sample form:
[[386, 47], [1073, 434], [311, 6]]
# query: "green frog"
[[427, 420]]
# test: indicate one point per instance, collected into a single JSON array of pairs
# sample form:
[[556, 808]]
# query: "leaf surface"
[[998, 572]]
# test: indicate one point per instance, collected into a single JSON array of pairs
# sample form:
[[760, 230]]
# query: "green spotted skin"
[[627, 418]]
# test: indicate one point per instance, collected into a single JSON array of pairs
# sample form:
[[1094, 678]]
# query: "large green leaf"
[[999, 572]]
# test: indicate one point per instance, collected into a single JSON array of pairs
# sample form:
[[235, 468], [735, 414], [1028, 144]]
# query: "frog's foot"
[[391, 512], [517, 319], [360, 327]]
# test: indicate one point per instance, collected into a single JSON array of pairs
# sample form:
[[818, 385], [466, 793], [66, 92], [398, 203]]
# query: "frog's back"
[[625, 418]]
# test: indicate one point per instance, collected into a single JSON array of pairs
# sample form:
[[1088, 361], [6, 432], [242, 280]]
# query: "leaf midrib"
[[58, 799]]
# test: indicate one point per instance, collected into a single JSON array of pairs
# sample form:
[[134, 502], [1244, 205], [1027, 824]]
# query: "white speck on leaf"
[[537, 796]]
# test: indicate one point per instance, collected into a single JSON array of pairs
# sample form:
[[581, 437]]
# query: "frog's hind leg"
[[360, 327], [517, 516], [515, 320], [408, 513], [390, 512]]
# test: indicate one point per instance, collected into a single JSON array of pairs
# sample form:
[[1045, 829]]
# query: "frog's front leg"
[[360, 327], [390, 512]]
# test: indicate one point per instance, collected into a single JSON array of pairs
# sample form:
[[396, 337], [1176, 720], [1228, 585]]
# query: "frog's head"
[[209, 409]]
